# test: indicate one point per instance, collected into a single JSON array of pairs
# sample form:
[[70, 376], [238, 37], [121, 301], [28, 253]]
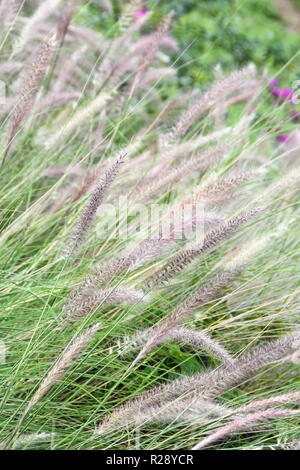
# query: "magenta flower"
[[282, 93], [287, 93], [283, 137], [277, 92], [138, 14], [274, 82]]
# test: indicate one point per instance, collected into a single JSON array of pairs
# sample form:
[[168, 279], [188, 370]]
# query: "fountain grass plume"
[[88, 214], [210, 241], [211, 384], [29, 86], [62, 364], [197, 299], [245, 423]]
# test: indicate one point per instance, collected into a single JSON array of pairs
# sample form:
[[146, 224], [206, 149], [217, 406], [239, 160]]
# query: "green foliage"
[[231, 33]]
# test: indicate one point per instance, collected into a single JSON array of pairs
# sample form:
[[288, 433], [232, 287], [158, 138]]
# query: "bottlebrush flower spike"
[[84, 303], [129, 14], [30, 84], [163, 28], [66, 19], [283, 138], [89, 212], [211, 384], [210, 241], [196, 412], [8, 13], [220, 89], [199, 162], [243, 424], [199, 340], [62, 365], [218, 188], [196, 299], [140, 13]]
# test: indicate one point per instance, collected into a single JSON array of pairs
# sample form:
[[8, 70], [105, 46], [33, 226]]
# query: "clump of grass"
[[63, 363]]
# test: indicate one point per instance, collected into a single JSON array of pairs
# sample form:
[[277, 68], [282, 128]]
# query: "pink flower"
[[282, 93], [277, 92], [283, 137], [287, 93], [138, 14], [274, 82]]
